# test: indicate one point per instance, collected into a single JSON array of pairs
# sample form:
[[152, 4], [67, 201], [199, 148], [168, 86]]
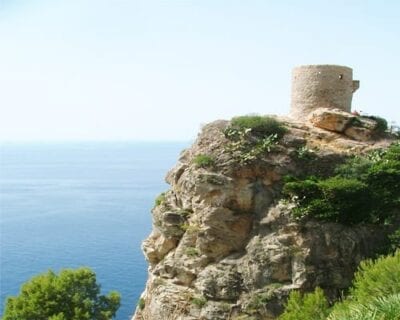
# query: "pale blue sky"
[[157, 70]]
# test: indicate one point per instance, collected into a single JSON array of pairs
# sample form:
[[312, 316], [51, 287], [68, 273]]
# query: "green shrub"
[[378, 308], [377, 278], [384, 180], [259, 300], [267, 143], [192, 252], [354, 168], [190, 228], [199, 301], [364, 189], [349, 200], [334, 199], [310, 306], [375, 293], [69, 295], [256, 304], [357, 167], [203, 161], [141, 304], [393, 152], [252, 136], [384, 172], [304, 153], [382, 125], [259, 125], [304, 190], [160, 199], [394, 241]]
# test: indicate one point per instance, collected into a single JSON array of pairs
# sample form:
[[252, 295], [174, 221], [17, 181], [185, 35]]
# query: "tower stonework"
[[321, 86]]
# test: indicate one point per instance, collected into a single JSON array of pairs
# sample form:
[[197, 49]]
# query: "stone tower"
[[317, 86]]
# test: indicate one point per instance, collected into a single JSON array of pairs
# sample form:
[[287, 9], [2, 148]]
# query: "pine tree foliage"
[[308, 306], [375, 295], [69, 295]]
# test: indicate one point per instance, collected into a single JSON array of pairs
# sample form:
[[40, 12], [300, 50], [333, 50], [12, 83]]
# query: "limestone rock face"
[[331, 119], [359, 133], [363, 129], [224, 245], [335, 120]]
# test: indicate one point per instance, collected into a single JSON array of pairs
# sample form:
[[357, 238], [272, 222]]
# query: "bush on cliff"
[[365, 189], [335, 199], [203, 161], [160, 199], [252, 136], [259, 125], [308, 306], [69, 295], [382, 125], [375, 295]]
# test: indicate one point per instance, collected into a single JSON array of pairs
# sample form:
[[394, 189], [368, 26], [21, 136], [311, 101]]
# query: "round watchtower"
[[317, 86]]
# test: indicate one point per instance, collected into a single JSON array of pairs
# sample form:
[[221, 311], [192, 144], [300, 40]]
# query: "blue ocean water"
[[80, 204]]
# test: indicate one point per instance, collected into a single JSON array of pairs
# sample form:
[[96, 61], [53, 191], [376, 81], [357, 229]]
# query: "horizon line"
[[56, 141]]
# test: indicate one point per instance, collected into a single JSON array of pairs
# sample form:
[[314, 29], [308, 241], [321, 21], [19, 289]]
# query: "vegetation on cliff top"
[[364, 189], [252, 136], [261, 126]]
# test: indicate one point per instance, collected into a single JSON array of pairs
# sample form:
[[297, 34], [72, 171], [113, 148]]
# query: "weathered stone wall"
[[316, 86]]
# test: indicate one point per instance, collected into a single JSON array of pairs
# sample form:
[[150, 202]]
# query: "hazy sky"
[[157, 70]]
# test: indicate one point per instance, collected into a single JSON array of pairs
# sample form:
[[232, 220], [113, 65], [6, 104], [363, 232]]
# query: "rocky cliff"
[[224, 244]]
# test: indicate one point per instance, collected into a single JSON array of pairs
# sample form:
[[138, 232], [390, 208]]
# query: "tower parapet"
[[321, 86]]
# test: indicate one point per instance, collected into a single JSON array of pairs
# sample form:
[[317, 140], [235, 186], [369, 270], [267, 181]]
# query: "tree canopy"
[[73, 294]]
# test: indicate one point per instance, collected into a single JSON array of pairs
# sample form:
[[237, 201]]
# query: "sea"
[[65, 205]]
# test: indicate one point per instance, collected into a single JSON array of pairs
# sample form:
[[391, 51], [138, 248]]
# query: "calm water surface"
[[80, 204]]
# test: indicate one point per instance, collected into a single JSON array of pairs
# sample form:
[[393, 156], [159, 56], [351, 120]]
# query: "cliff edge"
[[225, 244]]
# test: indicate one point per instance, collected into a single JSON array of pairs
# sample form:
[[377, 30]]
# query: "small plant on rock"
[[141, 304], [192, 252], [304, 153], [203, 161], [160, 199], [190, 228], [193, 228], [199, 301]]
